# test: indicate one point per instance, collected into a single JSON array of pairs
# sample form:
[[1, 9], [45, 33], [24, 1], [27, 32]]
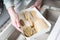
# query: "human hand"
[[36, 5], [15, 21]]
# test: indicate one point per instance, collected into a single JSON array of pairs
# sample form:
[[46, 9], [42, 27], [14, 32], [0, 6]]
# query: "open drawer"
[[51, 15]]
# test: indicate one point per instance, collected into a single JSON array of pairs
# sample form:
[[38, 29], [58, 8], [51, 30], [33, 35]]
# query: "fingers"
[[37, 7], [16, 24], [19, 29]]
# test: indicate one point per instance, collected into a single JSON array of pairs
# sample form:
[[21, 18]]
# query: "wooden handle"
[[22, 22]]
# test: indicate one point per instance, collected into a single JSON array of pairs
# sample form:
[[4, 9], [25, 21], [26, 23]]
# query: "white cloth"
[[18, 4]]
